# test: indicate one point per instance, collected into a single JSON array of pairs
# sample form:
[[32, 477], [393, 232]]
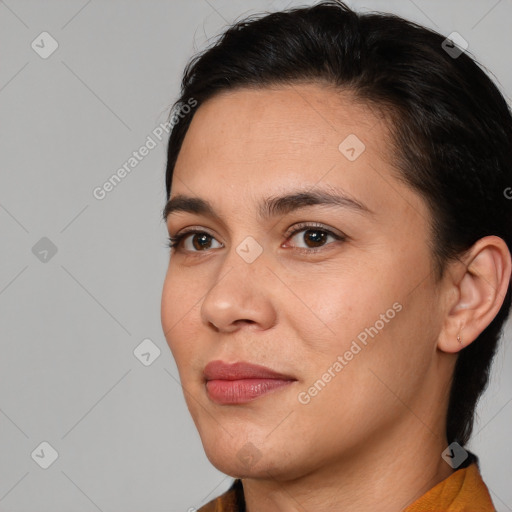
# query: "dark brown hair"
[[451, 127]]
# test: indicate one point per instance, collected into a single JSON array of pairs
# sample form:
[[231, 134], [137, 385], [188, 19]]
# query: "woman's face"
[[345, 308]]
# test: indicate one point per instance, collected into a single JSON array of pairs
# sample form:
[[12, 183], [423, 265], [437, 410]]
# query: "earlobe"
[[480, 292], [459, 339]]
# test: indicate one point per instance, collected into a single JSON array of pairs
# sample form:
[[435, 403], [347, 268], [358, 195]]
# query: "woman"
[[340, 264]]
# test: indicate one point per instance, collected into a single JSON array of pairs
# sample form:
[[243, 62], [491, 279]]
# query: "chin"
[[236, 456], [232, 461], [244, 463], [243, 459]]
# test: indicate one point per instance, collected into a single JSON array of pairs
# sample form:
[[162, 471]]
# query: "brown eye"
[[313, 237], [200, 241]]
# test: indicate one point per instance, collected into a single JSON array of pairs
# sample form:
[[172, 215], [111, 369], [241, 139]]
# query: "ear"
[[477, 286]]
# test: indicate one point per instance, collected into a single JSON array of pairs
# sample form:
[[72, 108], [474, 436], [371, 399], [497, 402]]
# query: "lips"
[[241, 382], [218, 370]]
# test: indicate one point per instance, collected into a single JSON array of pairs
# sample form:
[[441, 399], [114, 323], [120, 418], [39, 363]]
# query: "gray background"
[[69, 324]]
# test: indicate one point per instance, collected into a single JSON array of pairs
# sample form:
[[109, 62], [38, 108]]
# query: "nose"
[[243, 294]]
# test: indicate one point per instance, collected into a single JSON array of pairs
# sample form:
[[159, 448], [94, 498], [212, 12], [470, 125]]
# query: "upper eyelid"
[[297, 226]]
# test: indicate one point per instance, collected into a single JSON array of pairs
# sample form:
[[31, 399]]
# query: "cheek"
[[376, 314], [167, 310], [331, 306], [179, 305]]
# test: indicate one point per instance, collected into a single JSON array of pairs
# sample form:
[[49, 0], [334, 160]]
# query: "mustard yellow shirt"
[[463, 491]]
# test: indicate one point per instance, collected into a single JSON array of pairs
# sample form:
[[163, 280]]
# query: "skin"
[[372, 438]]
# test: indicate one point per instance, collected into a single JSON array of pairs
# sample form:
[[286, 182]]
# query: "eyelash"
[[174, 242]]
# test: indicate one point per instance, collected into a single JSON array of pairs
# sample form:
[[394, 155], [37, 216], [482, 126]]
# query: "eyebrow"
[[270, 207]]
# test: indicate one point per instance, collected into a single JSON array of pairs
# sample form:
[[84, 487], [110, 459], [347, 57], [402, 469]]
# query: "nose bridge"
[[249, 250], [239, 292], [244, 263]]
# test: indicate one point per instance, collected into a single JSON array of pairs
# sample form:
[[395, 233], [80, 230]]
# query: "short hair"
[[450, 126]]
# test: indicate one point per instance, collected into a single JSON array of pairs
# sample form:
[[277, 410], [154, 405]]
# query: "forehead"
[[288, 119], [248, 143]]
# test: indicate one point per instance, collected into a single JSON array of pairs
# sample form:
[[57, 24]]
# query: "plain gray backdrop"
[[81, 277]]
